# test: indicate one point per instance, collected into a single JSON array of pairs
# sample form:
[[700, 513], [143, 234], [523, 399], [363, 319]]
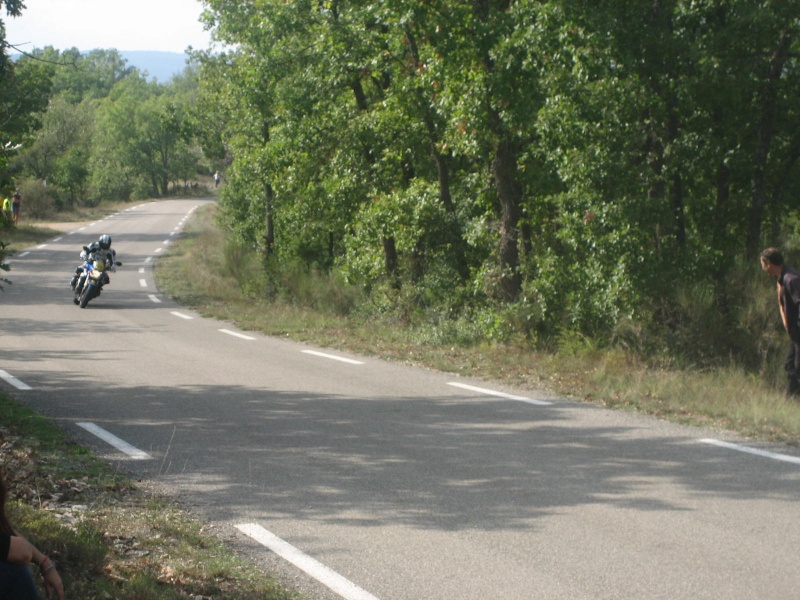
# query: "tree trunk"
[[504, 168], [269, 234], [269, 223], [391, 261]]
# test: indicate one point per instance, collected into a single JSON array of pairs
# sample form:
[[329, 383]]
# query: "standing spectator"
[[789, 304], [16, 202], [16, 553], [7, 210], [216, 178]]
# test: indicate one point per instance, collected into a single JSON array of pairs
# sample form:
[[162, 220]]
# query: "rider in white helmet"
[[102, 245]]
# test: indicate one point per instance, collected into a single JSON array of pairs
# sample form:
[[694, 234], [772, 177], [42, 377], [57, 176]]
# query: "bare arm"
[[22, 552], [780, 303]]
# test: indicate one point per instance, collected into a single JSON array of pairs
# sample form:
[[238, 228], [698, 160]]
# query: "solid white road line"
[[239, 335], [119, 444], [181, 315], [764, 453], [332, 357], [14, 381], [331, 579], [472, 388]]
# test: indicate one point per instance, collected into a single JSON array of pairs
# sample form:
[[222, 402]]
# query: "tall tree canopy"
[[576, 160]]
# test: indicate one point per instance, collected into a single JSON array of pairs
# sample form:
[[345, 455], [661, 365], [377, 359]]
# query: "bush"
[[36, 200]]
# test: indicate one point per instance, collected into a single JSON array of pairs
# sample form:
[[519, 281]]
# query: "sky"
[[124, 25]]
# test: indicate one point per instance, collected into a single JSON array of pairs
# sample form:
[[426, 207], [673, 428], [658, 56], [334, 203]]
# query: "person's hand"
[[53, 585]]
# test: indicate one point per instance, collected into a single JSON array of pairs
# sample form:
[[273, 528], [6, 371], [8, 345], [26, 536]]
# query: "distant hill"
[[159, 65]]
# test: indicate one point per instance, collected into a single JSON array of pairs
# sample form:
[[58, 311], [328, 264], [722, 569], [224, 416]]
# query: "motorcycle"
[[89, 278]]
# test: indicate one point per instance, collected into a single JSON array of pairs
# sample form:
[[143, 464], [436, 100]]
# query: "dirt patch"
[[59, 226]]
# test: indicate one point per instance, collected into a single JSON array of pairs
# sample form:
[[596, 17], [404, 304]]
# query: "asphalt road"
[[360, 479]]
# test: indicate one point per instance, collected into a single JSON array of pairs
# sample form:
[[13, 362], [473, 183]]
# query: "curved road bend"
[[356, 478]]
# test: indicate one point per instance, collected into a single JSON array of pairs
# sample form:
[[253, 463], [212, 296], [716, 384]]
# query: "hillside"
[[158, 65]]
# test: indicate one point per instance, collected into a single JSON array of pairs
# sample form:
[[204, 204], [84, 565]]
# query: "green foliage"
[[36, 200], [92, 128]]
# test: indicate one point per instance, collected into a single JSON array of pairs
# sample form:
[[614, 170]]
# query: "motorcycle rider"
[[102, 247]]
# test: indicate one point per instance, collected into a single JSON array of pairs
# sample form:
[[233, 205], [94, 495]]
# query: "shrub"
[[36, 200]]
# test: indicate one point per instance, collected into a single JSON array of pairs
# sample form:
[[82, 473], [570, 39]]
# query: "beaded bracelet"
[[45, 570]]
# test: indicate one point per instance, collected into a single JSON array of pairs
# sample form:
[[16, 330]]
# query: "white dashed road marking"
[[113, 440], [332, 357], [764, 453], [472, 388], [331, 579], [14, 381], [239, 335]]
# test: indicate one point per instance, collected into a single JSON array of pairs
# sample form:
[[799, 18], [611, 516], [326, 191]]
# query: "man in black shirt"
[[789, 304]]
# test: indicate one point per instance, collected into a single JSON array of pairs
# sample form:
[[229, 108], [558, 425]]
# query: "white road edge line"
[[154, 298], [143, 283], [472, 388], [181, 315], [331, 579], [14, 381], [119, 444], [234, 334], [764, 453], [332, 357]]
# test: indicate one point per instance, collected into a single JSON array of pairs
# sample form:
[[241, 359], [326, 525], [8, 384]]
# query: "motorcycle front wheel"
[[88, 293]]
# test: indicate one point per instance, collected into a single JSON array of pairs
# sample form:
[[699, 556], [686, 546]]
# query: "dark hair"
[[5, 526], [773, 256]]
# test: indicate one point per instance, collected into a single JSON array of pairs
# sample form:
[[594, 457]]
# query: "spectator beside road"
[[16, 203], [16, 553], [789, 305]]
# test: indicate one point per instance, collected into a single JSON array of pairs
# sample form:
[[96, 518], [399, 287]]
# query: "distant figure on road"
[[216, 178], [16, 202], [789, 304]]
